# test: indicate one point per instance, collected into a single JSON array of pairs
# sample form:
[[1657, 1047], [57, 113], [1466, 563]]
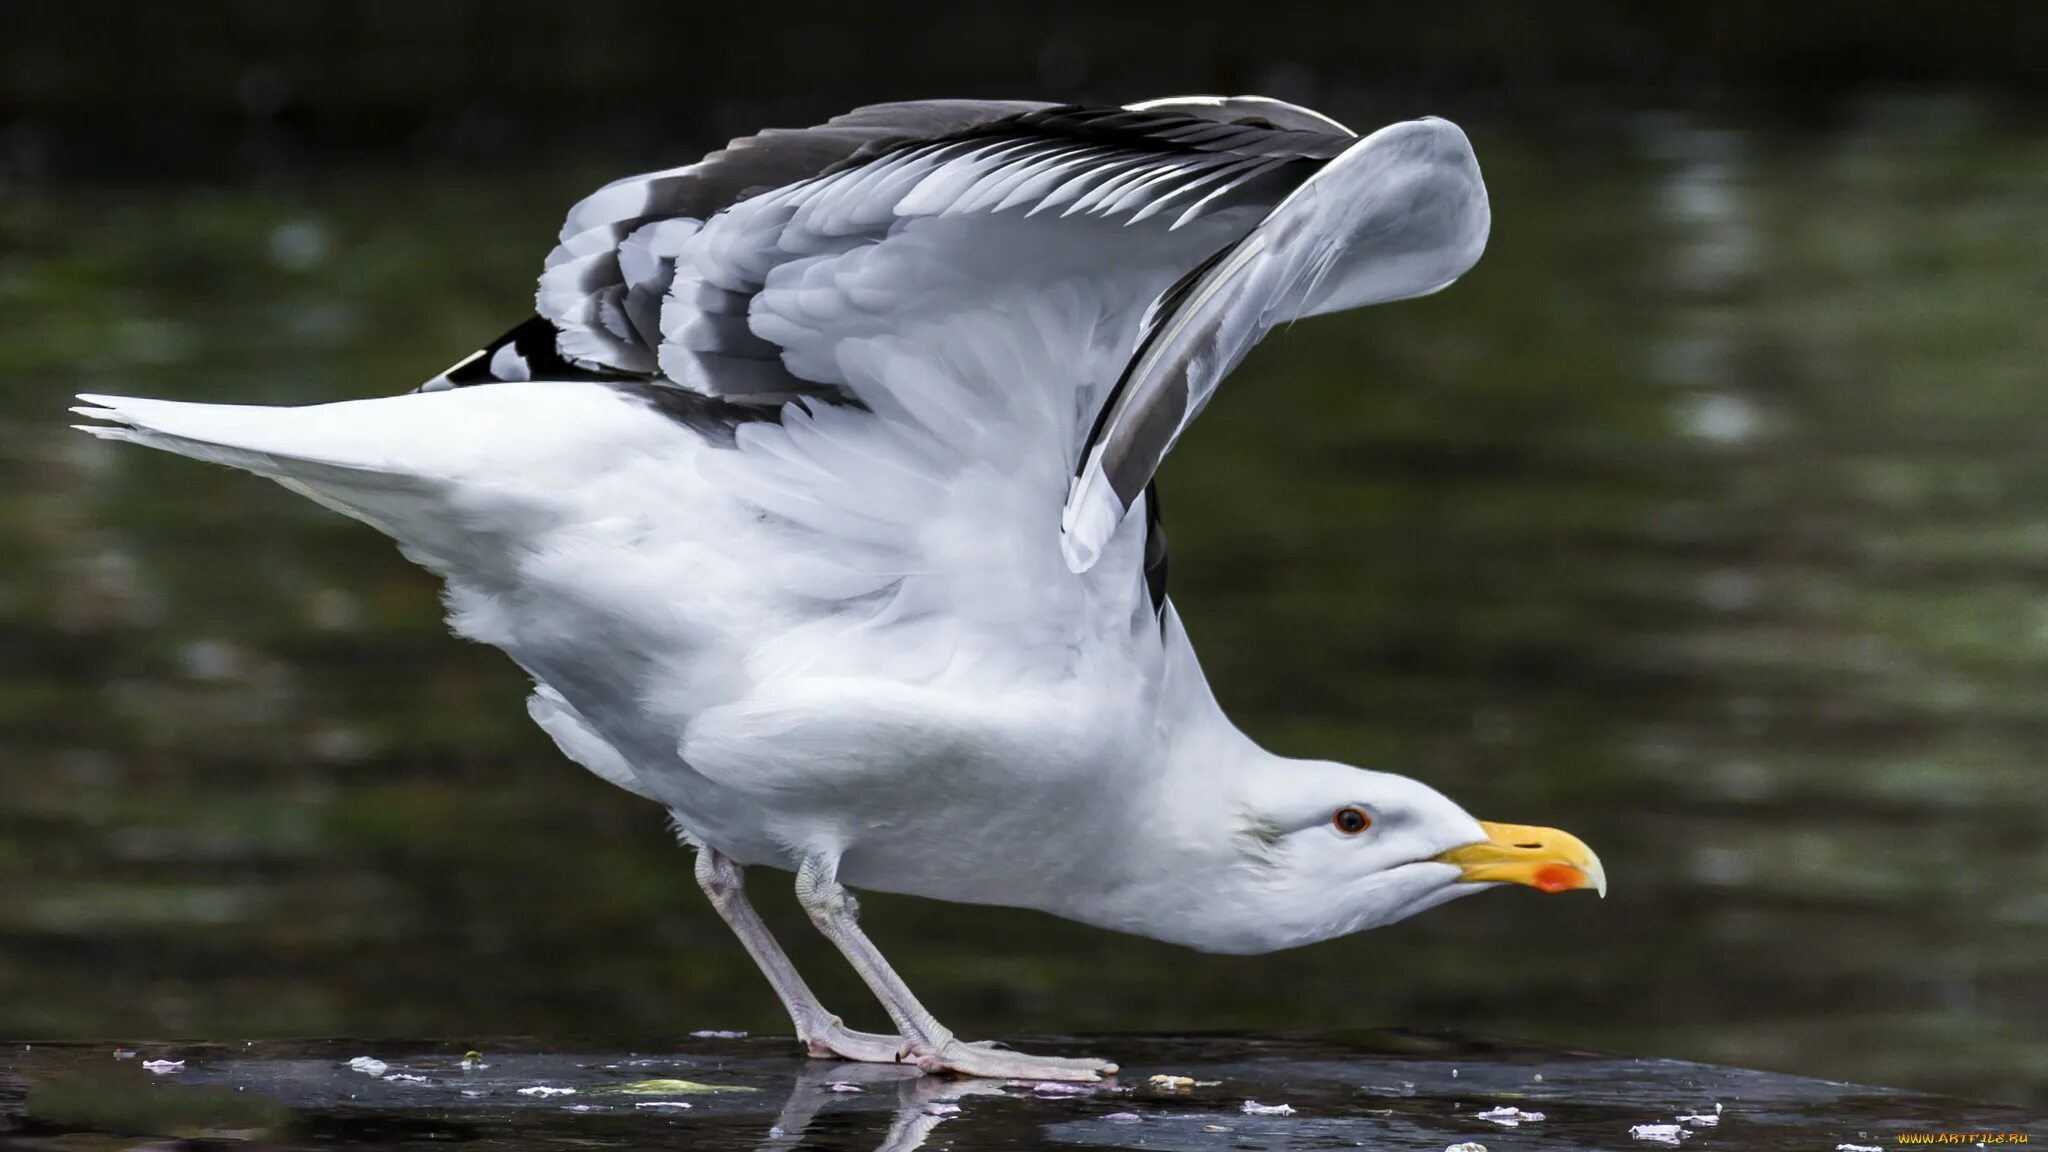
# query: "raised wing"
[[910, 336], [1401, 213], [963, 306]]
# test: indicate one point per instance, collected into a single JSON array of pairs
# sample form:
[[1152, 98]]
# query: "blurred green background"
[[1708, 518]]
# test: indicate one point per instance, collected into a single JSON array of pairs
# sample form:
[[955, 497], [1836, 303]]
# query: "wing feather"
[[1401, 213]]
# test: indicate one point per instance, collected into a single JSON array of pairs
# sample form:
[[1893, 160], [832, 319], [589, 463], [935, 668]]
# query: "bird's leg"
[[932, 1045], [824, 1034]]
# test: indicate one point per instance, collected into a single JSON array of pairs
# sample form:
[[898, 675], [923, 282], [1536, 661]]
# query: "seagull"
[[817, 499]]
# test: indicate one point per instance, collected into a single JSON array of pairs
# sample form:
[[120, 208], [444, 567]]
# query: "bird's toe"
[[989, 1061], [835, 1041]]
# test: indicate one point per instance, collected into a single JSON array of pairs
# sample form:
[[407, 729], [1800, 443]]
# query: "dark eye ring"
[[1351, 821]]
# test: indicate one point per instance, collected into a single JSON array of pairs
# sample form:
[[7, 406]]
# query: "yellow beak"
[[1543, 858]]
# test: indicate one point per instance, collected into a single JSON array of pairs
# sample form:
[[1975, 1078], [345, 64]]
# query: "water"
[[1391, 1090], [1707, 519]]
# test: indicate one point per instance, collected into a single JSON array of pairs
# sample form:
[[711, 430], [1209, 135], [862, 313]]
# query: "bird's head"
[[1321, 850]]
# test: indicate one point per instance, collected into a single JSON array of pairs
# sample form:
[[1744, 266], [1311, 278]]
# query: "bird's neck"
[[1191, 868], [1185, 865]]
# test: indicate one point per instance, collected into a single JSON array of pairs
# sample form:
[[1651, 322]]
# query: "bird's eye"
[[1351, 821]]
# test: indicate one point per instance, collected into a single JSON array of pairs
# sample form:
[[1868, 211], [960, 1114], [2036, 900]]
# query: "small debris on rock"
[[1660, 1133], [718, 1034], [1058, 1088], [1467, 1146], [1857, 1148], [1166, 1083], [1254, 1108], [1509, 1116], [663, 1104], [1701, 1119], [942, 1109], [544, 1090], [405, 1078], [1215, 1128], [843, 1086], [1123, 1117], [666, 1087], [160, 1067], [369, 1065]]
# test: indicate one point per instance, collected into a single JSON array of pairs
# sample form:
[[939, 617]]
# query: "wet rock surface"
[[1392, 1090]]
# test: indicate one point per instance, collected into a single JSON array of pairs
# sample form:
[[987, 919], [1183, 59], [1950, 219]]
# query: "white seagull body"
[[817, 504]]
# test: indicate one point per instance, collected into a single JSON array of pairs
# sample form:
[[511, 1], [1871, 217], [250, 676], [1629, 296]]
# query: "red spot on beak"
[[1559, 878]]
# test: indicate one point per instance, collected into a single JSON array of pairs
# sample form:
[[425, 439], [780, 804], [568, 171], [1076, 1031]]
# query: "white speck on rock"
[[1858, 1148], [1660, 1133], [1509, 1116], [843, 1086], [405, 1078], [1123, 1117], [544, 1090], [369, 1065], [1702, 1119], [942, 1109], [718, 1034], [1254, 1108], [662, 1104], [160, 1067]]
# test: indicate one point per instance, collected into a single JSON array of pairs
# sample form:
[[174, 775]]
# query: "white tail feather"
[[280, 443], [403, 464]]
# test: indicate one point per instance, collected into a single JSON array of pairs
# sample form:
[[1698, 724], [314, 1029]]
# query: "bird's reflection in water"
[[922, 1101]]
